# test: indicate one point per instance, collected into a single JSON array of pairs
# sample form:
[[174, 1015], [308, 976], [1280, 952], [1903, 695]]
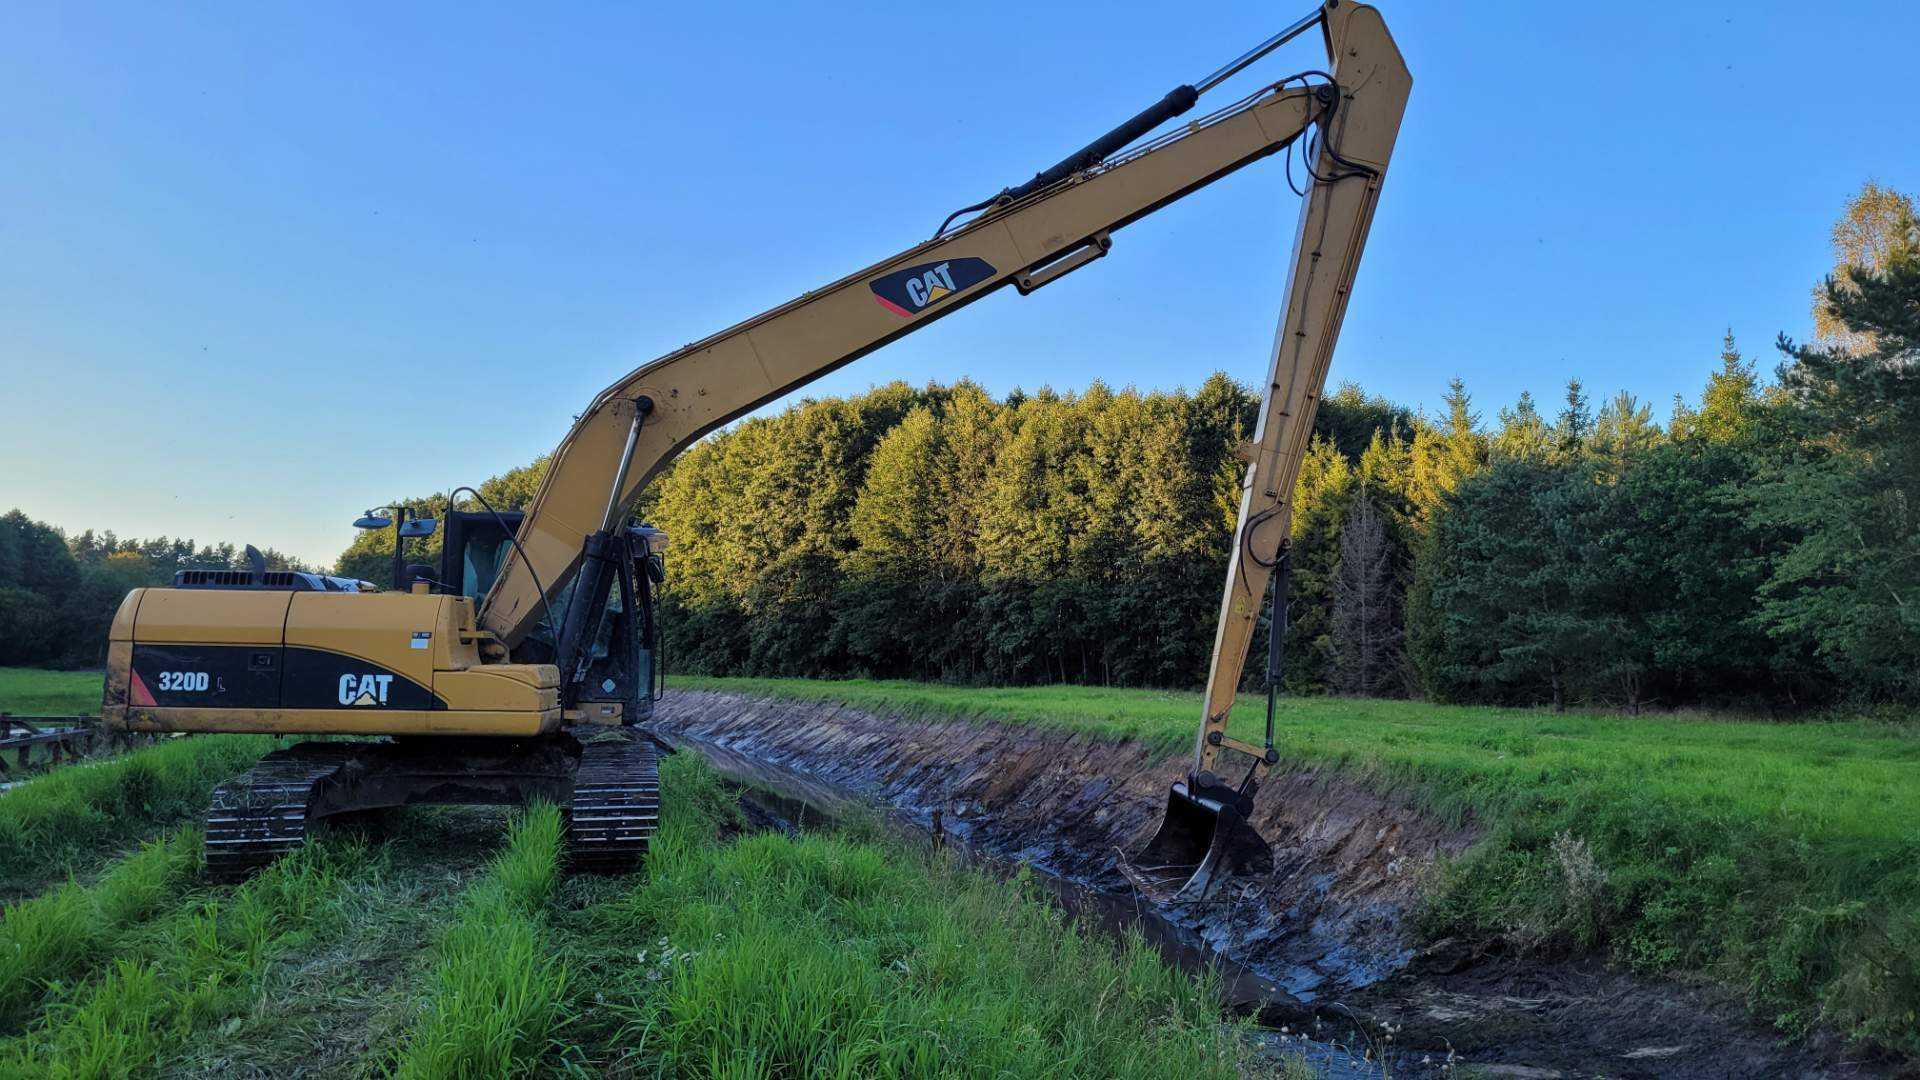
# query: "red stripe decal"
[[139, 692], [893, 307]]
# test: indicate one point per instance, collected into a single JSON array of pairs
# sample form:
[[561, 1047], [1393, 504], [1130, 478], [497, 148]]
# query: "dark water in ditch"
[[789, 800]]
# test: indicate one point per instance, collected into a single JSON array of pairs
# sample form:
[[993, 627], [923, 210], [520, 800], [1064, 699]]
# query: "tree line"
[[58, 593], [1760, 548]]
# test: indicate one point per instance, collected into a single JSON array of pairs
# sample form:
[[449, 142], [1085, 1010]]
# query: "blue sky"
[[264, 265]]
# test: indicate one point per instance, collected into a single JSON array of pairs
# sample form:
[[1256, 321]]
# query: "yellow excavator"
[[523, 666]]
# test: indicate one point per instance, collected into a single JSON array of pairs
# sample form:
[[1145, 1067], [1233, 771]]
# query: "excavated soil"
[[1323, 944]]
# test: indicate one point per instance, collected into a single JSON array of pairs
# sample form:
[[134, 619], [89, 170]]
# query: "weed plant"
[[193, 969], [64, 819]]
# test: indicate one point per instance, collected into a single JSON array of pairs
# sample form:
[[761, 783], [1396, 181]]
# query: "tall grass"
[[831, 956], [180, 974], [61, 819], [61, 936], [1781, 858], [496, 991]]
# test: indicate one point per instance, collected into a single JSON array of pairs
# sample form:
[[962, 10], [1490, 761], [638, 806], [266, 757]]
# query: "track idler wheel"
[[1203, 838]]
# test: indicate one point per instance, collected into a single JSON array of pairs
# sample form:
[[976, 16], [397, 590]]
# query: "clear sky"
[[263, 265]]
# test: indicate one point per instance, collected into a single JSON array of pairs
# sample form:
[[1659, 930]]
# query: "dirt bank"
[[1328, 930]]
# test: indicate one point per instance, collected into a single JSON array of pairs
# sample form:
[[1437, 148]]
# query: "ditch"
[[1320, 952]]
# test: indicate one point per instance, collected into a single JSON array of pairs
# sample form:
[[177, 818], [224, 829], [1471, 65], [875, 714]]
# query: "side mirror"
[[372, 521], [414, 527], [657, 568]]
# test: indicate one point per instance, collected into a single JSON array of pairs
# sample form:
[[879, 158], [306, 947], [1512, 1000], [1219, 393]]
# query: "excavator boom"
[[479, 708], [1061, 220], [1025, 239]]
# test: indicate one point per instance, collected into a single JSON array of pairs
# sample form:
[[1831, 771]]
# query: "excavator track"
[[616, 803], [262, 814], [266, 812]]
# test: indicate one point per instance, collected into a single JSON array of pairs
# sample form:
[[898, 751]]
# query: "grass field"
[[448, 944], [33, 692], [1781, 858]]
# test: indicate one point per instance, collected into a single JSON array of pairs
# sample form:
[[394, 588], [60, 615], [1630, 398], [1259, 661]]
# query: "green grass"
[[62, 935], [74, 817], [340, 1006], [840, 955], [496, 992], [38, 692], [1780, 858], [193, 969]]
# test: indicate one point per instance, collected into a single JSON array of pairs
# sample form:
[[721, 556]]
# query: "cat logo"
[[908, 292], [362, 690]]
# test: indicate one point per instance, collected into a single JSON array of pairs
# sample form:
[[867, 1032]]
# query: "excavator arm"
[[1026, 237]]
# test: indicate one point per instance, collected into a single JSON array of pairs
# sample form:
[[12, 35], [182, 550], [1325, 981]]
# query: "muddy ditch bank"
[[1324, 941]]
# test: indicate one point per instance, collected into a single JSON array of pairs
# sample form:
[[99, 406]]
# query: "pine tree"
[[1851, 585], [1622, 432], [1443, 456], [1523, 435], [1366, 625], [1730, 407], [1575, 425], [1321, 496]]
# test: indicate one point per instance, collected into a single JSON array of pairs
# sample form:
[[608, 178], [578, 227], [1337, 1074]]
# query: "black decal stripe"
[[263, 677], [313, 677], [236, 676], [903, 291]]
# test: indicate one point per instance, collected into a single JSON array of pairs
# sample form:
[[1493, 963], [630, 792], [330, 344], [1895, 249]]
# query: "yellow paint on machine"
[[514, 724], [430, 639]]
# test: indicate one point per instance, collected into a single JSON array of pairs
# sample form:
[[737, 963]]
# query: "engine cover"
[[302, 661]]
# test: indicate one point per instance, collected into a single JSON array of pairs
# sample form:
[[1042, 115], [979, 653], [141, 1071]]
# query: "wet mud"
[[1321, 946]]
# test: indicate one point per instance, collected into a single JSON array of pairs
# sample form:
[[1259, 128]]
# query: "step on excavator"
[[525, 665]]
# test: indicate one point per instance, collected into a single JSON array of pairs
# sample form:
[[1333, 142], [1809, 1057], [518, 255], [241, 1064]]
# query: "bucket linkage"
[[1206, 834]]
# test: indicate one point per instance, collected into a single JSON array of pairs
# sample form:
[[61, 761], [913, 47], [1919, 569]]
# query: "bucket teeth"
[[1200, 842]]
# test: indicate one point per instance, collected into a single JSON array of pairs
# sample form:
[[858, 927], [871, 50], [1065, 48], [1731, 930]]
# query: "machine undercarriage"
[[605, 781]]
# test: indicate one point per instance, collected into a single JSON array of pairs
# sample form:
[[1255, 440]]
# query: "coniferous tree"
[[1623, 432], [1523, 435], [1730, 407], [1575, 425], [1367, 626], [1850, 585]]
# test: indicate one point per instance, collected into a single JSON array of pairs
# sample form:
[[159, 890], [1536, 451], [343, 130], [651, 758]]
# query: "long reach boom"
[[458, 702], [1027, 237]]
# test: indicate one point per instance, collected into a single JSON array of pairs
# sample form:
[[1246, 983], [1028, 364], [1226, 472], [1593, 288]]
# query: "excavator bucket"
[[1200, 841]]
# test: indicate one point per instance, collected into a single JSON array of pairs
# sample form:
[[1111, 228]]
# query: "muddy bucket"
[[1201, 840]]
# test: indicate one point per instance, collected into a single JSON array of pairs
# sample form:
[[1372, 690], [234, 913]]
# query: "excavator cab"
[[611, 671]]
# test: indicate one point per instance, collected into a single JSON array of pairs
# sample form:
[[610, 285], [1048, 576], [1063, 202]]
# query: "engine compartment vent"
[[290, 580]]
